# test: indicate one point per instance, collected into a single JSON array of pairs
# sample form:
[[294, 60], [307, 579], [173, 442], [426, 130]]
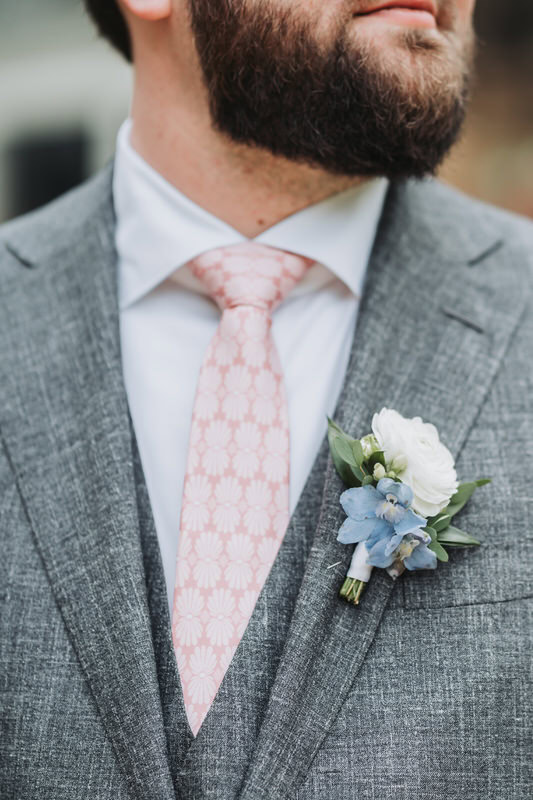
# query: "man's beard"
[[273, 84]]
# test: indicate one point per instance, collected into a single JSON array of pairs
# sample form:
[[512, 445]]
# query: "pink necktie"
[[235, 506]]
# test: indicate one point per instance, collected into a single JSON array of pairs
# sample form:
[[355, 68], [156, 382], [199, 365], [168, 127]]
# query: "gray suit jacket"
[[423, 692]]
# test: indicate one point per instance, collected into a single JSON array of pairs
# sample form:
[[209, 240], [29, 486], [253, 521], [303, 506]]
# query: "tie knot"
[[249, 274]]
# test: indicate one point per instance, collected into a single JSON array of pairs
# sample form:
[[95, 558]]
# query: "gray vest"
[[214, 764]]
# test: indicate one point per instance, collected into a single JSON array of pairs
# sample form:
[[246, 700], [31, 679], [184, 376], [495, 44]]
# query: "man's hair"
[[111, 24]]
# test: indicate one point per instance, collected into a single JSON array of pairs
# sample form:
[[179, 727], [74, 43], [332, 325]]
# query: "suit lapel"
[[64, 422], [430, 336]]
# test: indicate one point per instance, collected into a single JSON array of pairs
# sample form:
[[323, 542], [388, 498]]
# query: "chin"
[[416, 57], [389, 39]]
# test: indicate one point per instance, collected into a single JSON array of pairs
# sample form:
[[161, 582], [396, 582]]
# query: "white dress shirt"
[[167, 319]]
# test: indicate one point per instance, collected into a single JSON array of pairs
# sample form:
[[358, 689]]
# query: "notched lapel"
[[409, 354], [64, 421]]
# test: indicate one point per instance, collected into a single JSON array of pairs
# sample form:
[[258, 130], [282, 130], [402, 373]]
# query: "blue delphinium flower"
[[382, 518], [414, 551]]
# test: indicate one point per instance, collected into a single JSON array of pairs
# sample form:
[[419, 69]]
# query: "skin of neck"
[[246, 187]]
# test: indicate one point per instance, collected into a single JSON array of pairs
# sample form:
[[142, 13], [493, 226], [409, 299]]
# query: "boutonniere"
[[403, 495]]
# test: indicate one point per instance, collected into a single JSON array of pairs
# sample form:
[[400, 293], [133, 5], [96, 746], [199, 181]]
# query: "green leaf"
[[349, 449], [344, 450], [332, 426], [358, 474], [432, 532], [344, 469], [463, 495], [341, 466], [357, 450], [378, 457], [441, 521], [348, 457], [439, 550], [347, 454], [455, 537], [465, 492]]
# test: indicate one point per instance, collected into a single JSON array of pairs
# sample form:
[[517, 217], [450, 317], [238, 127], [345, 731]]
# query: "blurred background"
[[64, 93]]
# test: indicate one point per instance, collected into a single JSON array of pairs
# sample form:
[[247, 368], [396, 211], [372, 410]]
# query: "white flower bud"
[[369, 444], [379, 472]]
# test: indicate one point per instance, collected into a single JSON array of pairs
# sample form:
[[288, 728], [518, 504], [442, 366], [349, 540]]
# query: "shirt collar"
[[159, 229]]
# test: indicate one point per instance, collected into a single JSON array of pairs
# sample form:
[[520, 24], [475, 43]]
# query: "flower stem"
[[352, 590]]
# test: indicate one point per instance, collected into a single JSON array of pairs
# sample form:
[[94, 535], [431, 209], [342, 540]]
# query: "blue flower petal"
[[382, 529], [405, 495], [421, 558], [348, 531], [421, 535], [409, 522], [377, 555], [385, 485], [360, 503], [402, 492], [355, 530], [394, 542]]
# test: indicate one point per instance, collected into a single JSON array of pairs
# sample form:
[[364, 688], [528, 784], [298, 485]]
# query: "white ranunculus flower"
[[414, 451]]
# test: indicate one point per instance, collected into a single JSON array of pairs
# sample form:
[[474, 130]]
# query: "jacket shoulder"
[[55, 227], [467, 219]]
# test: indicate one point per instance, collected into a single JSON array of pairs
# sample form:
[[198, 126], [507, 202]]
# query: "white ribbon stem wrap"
[[359, 569]]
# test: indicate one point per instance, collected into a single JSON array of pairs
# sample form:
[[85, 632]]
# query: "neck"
[[248, 188]]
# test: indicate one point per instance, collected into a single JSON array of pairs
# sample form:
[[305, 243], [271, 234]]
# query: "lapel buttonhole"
[[475, 326]]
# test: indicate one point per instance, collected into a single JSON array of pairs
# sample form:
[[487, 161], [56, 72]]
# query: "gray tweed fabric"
[[423, 692]]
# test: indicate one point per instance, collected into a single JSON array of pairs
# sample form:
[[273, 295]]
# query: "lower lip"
[[416, 18]]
